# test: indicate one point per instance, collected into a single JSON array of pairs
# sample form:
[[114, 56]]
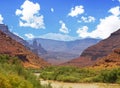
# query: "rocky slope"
[[13, 48], [111, 60], [104, 47], [37, 49], [4, 28], [95, 52]]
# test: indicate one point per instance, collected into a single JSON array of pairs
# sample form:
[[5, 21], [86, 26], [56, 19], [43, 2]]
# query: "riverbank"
[[56, 84]]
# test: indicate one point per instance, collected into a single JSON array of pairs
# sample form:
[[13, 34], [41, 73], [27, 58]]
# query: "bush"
[[67, 78], [14, 75], [18, 82], [4, 82], [72, 74], [108, 76], [66, 73]]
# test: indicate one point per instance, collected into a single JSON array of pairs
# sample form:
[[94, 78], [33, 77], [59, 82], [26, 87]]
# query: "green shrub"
[[4, 82], [72, 74], [67, 78], [108, 76], [14, 75], [66, 73], [18, 82]]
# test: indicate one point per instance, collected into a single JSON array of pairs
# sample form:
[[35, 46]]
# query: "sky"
[[63, 20]]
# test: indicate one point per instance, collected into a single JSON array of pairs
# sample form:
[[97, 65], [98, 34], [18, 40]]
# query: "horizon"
[[63, 21]]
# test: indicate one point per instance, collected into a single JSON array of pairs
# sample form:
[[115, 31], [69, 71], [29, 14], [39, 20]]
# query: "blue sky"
[[61, 19]]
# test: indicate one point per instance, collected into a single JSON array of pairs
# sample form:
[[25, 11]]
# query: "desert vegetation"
[[14, 75], [81, 75]]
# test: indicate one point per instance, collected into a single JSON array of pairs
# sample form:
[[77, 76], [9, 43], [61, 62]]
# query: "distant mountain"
[[98, 51], [39, 50], [61, 51], [13, 48]]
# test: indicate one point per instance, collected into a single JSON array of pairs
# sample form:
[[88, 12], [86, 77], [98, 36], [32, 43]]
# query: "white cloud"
[[88, 19], [1, 19], [30, 16], [119, 0], [63, 28], [54, 36], [52, 10], [58, 36], [115, 11], [77, 10], [106, 26], [30, 36], [83, 31]]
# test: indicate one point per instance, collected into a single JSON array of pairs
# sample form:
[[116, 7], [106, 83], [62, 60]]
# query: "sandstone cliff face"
[[104, 47], [95, 52], [111, 60], [13, 48], [37, 49], [4, 29]]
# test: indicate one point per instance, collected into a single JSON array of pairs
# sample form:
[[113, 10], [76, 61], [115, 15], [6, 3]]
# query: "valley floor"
[[56, 84]]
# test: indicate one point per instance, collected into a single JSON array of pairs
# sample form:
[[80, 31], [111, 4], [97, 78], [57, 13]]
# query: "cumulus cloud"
[[30, 16], [63, 28], [83, 31], [77, 10], [52, 10], [115, 11], [30, 36], [58, 36], [88, 19], [106, 26], [1, 19]]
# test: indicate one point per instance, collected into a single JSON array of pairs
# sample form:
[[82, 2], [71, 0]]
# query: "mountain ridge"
[[62, 51], [112, 60], [4, 28], [93, 53], [11, 47]]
